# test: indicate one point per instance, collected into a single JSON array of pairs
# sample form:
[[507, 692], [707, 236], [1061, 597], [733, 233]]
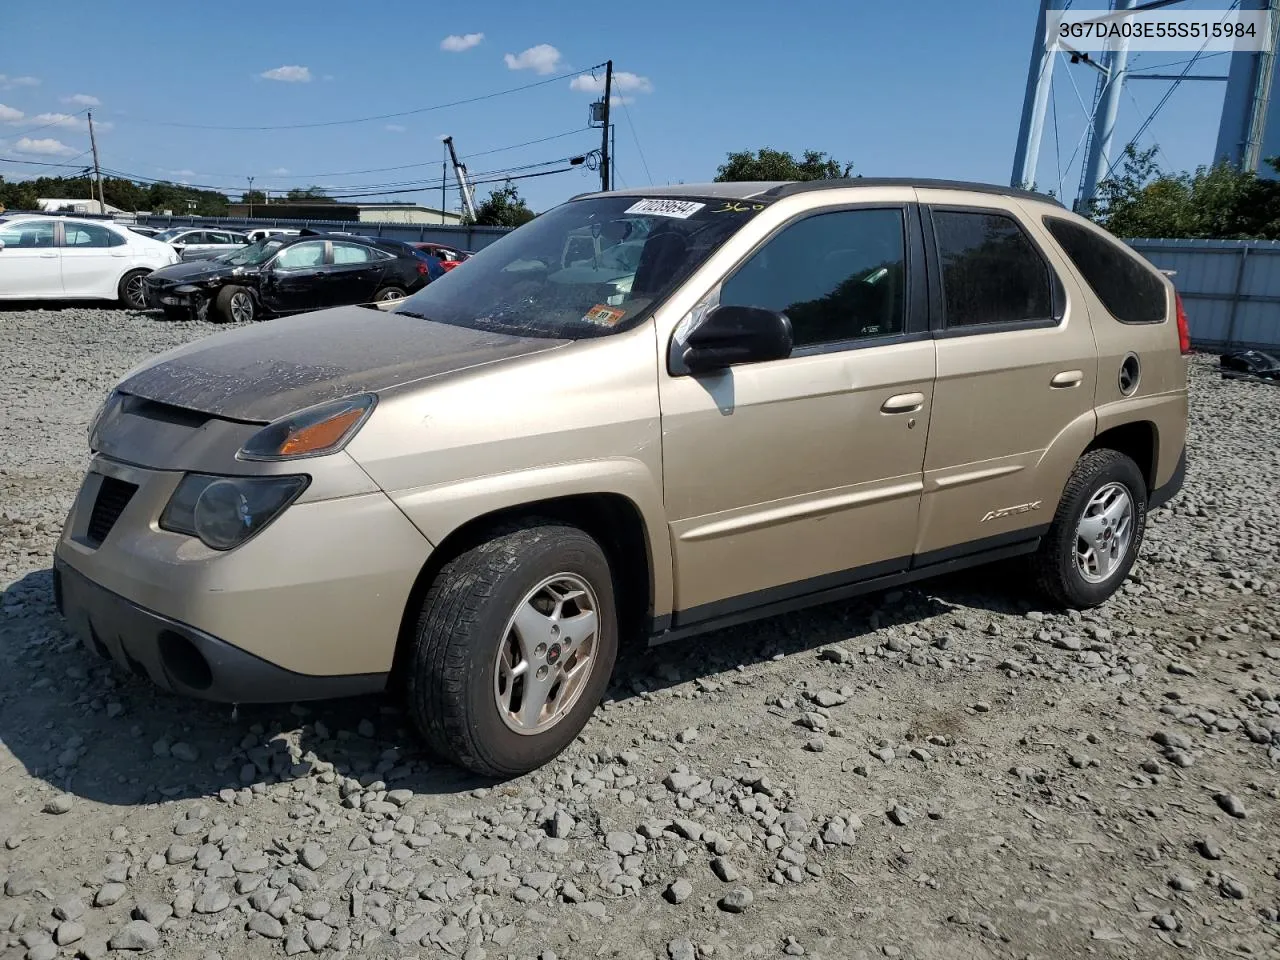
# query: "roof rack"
[[805, 186]]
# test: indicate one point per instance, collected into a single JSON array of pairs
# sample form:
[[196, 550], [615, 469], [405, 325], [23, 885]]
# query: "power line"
[[381, 116], [62, 119], [1178, 63], [626, 112]]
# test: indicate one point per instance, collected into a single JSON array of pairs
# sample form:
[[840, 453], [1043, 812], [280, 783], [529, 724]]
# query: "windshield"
[[587, 268], [253, 254]]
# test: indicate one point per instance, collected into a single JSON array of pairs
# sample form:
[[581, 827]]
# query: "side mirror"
[[730, 335], [1, 244]]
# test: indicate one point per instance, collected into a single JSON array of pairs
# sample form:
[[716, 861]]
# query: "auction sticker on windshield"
[[680, 209], [603, 316]]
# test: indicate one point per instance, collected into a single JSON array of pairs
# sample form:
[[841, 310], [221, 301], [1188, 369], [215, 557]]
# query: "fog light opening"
[[184, 662]]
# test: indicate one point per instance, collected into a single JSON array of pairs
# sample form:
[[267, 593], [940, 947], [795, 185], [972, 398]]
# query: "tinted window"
[[990, 271], [301, 255], [1127, 287], [837, 276], [350, 253], [27, 233], [84, 235]]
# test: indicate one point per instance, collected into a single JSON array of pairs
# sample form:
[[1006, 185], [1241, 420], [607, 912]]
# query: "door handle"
[[50, 254], [1067, 378], [903, 403]]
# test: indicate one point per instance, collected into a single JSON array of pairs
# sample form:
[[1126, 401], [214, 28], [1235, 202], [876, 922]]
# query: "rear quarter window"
[[1129, 289]]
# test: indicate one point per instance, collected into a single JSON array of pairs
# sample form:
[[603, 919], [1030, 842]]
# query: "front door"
[[292, 281], [93, 260], [30, 264], [1017, 366], [354, 274], [793, 476]]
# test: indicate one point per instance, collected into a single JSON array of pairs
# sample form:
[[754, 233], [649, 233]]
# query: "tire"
[[389, 293], [131, 293], [1081, 567], [234, 305], [462, 700]]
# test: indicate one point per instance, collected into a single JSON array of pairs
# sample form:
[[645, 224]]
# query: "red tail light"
[[422, 270], [1184, 331]]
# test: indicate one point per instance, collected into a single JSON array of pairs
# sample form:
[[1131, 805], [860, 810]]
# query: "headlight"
[[311, 433], [224, 512], [112, 400]]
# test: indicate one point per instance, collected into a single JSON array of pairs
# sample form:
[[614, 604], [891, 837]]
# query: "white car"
[[199, 243], [63, 258], [261, 233]]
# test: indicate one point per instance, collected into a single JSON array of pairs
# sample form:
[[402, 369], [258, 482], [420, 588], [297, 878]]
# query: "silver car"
[[197, 243]]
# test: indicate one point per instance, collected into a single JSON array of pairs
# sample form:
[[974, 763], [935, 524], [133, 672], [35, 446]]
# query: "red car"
[[449, 257]]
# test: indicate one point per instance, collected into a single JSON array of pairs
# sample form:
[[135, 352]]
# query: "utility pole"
[[604, 137], [444, 176], [97, 170], [250, 197], [460, 172]]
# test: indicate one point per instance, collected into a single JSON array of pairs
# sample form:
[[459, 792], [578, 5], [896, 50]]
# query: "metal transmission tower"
[[1106, 109], [1245, 134]]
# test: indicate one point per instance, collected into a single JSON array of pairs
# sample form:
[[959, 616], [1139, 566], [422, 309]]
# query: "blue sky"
[[924, 88]]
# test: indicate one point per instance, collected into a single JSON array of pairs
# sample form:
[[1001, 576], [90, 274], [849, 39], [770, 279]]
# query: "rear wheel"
[[234, 305], [1096, 532], [132, 290], [388, 293], [515, 645]]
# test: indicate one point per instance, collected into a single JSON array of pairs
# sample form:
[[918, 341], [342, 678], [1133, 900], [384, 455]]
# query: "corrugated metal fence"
[[1230, 288], [465, 238]]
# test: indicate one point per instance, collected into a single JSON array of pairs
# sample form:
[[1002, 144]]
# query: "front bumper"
[[182, 659], [312, 606]]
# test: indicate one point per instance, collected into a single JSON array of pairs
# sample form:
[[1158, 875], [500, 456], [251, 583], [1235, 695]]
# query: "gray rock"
[[58, 805], [828, 698], [620, 842], [135, 935], [19, 885], [296, 944], [318, 935], [312, 856], [725, 870], [109, 894], [43, 951], [681, 950], [679, 892], [69, 908], [184, 752], [155, 912], [69, 931], [737, 900], [1233, 888], [266, 925], [816, 744], [180, 853], [213, 900], [901, 815], [560, 825], [1209, 848], [1182, 884], [688, 735], [1231, 804], [681, 782]]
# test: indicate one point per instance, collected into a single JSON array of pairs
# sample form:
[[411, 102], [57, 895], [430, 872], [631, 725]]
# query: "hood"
[[195, 271], [276, 368]]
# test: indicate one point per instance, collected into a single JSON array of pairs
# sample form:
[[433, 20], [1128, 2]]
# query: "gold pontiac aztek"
[[642, 415]]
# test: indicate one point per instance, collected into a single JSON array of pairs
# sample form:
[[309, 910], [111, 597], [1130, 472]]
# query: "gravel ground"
[[940, 772]]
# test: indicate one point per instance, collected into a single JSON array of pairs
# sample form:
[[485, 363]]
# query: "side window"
[[837, 276], [990, 271], [1127, 287], [350, 253], [27, 233], [88, 235], [300, 256], [193, 238]]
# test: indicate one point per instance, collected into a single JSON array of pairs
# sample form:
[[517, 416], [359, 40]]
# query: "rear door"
[[31, 262], [293, 281], [1017, 366], [93, 260], [354, 275]]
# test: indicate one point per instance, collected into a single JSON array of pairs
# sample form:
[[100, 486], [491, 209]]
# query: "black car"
[[282, 275]]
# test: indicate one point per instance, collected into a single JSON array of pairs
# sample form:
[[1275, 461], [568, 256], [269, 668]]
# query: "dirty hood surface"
[[276, 368]]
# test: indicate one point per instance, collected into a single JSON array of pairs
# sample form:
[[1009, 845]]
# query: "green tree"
[[18, 196], [310, 193], [770, 164], [253, 196], [503, 208]]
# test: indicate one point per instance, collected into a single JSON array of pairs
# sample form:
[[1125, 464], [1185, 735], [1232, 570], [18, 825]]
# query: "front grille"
[[113, 496]]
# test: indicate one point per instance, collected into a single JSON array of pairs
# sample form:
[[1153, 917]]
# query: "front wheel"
[[235, 305], [1096, 533], [132, 290], [514, 648]]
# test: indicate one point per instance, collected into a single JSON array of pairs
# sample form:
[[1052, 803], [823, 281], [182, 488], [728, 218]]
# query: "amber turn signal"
[[310, 433]]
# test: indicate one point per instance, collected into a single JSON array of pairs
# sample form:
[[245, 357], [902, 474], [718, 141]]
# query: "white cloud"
[[82, 100], [280, 172], [288, 74], [396, 128], [10, 114], [456, 43], [7, 82], [544, 58], [46, 146], [623, 82]]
